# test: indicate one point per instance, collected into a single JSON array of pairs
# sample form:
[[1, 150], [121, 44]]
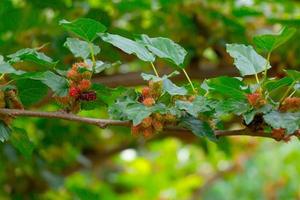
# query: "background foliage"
[[71, 160]]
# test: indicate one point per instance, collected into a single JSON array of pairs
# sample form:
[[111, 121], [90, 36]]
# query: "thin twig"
[[103, 123]]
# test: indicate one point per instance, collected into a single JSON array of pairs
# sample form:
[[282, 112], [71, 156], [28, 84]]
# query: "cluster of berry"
[[291, 104], [279, 134], [9, 99], [80, 84], [156, 122]]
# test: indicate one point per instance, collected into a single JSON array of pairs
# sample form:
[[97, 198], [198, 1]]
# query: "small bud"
[[157, 125], [158, 117], [75, 66], [72, 74], [84, 85], [86, 75], [146, 122], [74, 92], [146, 92], [170, 118], [191, 98], [148, 101], [256, 99], [13, 99], [148, 132], [291, 104], [155, 88]]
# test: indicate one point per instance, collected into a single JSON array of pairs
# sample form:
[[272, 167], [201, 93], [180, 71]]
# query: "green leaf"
[[199, 105], [198, 127], [20, 141], [30, 91], [269, 42], [100, 66], [128, 46], [85, 28], [6, 68], [288, 121], [277, 84], [81, 49], [173, 89], [295, 75], [128, 109], [227, 86], [58, 84], [249, 116], [229, 106], [31, 55], [246, 59], [151, 77], [4, 131], [165, 48], [137, 112], [148, 77]]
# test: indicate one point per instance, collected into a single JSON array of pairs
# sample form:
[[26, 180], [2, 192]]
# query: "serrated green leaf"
[[85, 28], [249, 116], [148, 77], [199, 105], [198, 127], [229, 106], [100, 66], [228, 87], [151, 77], [30, 91], [81, 49], [6, 68], [288, 121], [58, 84], [246, 59], [173, 89], [4, 131], [165, 48], [137, 112], [128, 46], [31, 55], [20, 141], [108, 95], [269, 42]]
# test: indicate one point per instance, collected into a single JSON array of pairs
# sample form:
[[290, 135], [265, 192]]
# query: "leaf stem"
[[266, 66], [188, 78], [2, 76], [93, 56], [154, 69], [257, 79], [292, 94], [287, 92]]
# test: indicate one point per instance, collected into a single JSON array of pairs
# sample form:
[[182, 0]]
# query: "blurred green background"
[[76, 161]]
